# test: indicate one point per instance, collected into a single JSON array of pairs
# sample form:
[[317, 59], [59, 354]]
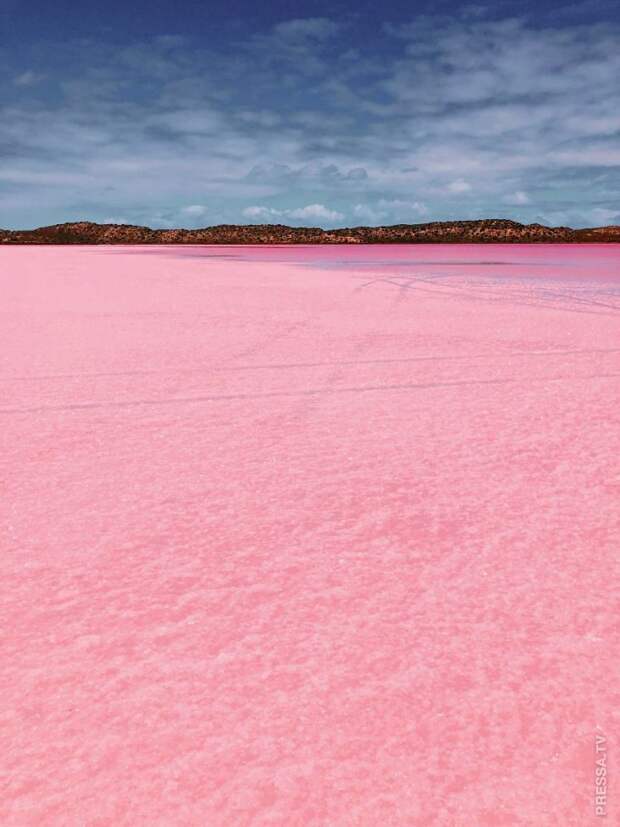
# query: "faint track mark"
[[291, 365], [465, 293], [325, 391]]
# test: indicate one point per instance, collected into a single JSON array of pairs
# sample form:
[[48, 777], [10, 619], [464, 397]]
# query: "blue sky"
[[332, 114]]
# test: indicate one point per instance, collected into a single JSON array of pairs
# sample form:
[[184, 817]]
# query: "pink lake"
[[316, 536]]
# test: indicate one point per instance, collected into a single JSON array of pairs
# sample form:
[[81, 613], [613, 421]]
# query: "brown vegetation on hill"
[[436, 232]]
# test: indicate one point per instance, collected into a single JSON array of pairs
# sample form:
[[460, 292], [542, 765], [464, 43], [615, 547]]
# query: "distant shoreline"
[[485, 231]]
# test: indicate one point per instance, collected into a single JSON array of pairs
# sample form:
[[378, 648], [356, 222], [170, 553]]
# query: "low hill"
[[485, 231]]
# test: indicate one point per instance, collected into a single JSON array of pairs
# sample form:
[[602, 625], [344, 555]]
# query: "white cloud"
[[458, 186], [477, 111], [404, 207], [113, 219], [195, 210], [392, 209], [319, 28], [261, 212], [310, 212], [318, 211], [601, 215], [601, 154], [28, 78], [518, 197], [368, 213]]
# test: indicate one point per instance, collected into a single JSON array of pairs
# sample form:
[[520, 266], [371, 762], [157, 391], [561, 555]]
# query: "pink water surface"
[[309, 536]]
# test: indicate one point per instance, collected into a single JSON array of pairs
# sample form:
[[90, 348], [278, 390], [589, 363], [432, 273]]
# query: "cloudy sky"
[[308, 113]]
